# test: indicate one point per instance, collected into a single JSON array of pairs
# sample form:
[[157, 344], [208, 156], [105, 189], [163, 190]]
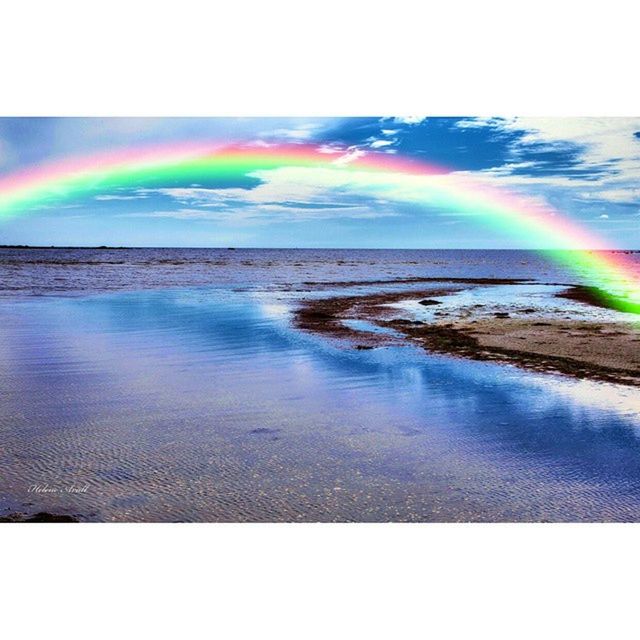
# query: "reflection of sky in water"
[[208, 405], [515, 298], [370, 327]]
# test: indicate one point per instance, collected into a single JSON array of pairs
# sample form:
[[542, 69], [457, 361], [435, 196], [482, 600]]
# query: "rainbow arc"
[[614, 276]]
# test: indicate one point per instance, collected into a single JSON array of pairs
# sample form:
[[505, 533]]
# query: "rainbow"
[[612, 274]]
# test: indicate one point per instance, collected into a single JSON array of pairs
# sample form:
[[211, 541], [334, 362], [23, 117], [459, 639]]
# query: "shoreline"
[[598, 350]]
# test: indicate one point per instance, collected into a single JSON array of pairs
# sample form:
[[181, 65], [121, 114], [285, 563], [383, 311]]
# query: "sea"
[[171, 385]]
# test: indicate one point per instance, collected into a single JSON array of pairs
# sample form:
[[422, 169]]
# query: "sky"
[[586, 168]]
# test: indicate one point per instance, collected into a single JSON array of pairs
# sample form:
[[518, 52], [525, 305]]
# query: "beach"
[[204, 385], [515, 327]]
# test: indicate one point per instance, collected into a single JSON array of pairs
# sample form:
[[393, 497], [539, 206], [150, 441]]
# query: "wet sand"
[[600, 350], [41, 516]]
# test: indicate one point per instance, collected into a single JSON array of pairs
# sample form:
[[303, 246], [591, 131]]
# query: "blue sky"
[[587, 168]]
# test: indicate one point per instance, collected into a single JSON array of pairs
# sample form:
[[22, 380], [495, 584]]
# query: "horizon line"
[[232, 248]]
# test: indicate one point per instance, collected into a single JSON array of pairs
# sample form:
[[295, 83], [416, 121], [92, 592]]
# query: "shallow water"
[[517, 300], [202, 403]]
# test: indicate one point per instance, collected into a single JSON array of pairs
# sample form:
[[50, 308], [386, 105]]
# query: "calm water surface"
[[161, 386]]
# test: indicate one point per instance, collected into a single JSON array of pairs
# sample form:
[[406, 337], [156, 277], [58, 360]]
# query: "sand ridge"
[[600, 350]]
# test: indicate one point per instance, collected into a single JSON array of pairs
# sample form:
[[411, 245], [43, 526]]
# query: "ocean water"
[[77, 272], [170, 385]]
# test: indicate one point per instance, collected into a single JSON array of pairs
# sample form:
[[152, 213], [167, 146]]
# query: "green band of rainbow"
[[572, 244]]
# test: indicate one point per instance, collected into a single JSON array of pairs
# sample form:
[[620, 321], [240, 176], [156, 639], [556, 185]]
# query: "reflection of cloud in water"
[[625, 401], [275, 311]]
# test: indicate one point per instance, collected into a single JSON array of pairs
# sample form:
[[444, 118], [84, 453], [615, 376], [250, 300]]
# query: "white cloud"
[[350, 156], [477, 123], [376, 144], [606, 141], [297, 193], [624, 196], [605, 138], [200, 194], [266, 213], [307, 185], [56, 207], [300, 132], [503, 177], [316, 186], [330, 149], [137, 196], [409, 119], [317, 191], [604, 216], [179, 214]]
